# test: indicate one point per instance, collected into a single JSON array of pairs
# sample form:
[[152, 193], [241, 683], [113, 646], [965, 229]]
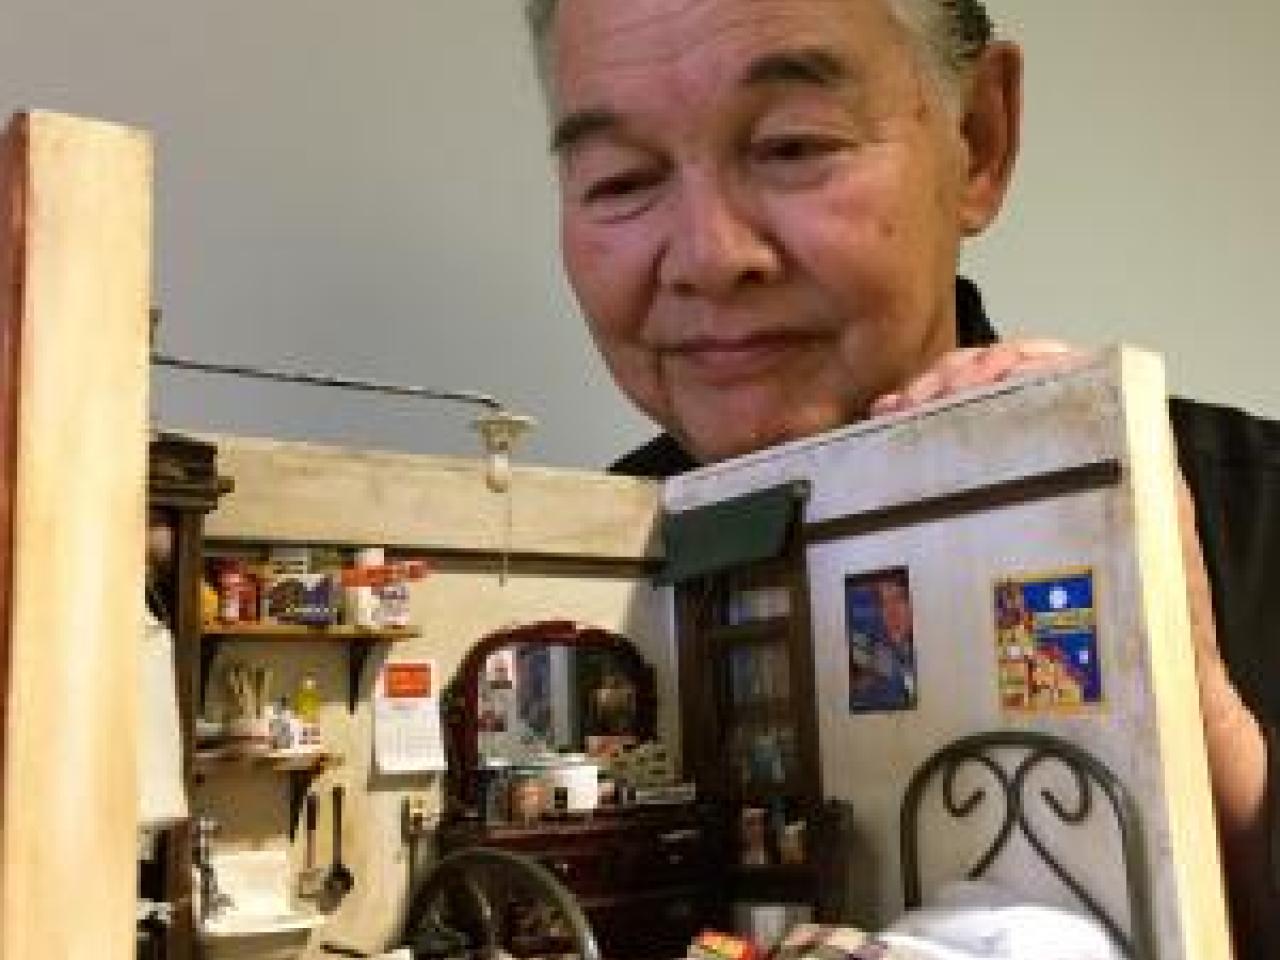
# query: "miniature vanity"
[[533, 714]]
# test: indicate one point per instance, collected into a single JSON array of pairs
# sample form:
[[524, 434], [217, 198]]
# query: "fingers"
[[973, 367]]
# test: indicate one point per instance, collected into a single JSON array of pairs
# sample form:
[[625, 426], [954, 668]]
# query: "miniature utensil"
[[310, 877], [236, 676], [340, 880], [261, 679]]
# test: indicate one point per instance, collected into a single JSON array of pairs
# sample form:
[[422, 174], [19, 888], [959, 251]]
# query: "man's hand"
[[972, 367]]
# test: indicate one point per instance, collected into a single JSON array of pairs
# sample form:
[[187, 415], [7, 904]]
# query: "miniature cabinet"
[[749, 724]]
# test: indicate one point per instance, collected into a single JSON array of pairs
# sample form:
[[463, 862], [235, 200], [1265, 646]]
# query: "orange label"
[[407, 680]]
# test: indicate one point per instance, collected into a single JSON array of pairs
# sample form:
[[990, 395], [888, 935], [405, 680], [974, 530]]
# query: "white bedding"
[[978, 920]]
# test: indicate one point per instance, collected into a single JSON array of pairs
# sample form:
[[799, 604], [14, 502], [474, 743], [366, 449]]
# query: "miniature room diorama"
[[883, 692]]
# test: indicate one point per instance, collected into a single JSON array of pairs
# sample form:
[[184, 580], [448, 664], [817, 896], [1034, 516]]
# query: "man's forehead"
[[618, 32], [813, 66], [605, 44]]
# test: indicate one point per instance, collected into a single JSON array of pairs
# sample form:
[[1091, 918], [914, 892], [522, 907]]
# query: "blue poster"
[[882, 666]]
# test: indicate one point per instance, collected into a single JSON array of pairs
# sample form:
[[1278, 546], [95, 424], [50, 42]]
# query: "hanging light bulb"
[[499, 431]]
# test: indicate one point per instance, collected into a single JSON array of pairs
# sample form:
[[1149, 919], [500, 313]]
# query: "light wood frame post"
[[75, 240]]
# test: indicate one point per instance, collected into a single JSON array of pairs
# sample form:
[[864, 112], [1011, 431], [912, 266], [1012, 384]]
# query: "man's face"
[[895, 608], [761, 208]]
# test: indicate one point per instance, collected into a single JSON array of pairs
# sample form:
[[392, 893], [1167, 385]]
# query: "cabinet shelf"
[[766, 630], [281, 761], [758, 711], [301, 767], [359, 642], [785, 882], [298, 631]]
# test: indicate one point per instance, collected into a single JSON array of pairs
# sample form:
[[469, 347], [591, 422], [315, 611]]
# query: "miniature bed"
[[1009, 765]]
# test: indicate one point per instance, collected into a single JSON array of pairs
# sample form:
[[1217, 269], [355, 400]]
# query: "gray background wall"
[[364, 188]]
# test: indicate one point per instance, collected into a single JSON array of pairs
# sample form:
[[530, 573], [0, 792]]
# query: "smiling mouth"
[[729, 360]]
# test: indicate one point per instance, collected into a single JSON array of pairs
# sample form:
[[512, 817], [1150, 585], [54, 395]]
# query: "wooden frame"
[[75, 274]]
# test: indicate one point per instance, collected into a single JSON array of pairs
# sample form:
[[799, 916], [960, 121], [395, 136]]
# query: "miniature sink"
[[261, 920]]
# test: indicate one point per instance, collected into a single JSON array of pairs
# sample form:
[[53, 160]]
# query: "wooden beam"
[[311, 493], [75, 251]]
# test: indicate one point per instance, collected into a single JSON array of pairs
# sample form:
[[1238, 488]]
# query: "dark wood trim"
[[186, 633], [483, 560], [804, 676], [701, 724], [13, 201], [1041, 486], [182, 482]]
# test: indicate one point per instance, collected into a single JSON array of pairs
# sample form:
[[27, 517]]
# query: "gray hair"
[[953, 33]]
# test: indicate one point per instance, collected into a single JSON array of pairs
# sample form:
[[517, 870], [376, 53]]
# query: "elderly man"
[[763, 203]]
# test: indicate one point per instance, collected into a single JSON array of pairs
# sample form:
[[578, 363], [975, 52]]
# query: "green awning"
[[729, 533]]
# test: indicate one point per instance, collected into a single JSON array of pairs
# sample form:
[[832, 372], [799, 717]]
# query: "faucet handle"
[[207, 826], [204, 829]]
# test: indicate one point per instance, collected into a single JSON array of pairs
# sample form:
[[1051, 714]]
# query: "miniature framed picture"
[[882, 664], [1047, 641]]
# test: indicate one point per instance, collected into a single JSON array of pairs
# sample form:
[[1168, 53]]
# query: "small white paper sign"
[[406, 718]]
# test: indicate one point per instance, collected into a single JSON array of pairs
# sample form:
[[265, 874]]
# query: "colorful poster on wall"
[[1047, 641], [882, 666]]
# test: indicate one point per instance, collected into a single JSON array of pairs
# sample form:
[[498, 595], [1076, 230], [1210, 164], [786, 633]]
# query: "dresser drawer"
[[672, 858], [586, 872], [661, 925]]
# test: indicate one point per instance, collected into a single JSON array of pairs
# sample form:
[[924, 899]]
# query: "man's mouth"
[[723, 361]]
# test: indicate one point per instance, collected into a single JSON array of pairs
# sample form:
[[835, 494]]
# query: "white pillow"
[[984, 920]]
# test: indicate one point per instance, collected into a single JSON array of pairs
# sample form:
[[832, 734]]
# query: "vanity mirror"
[[541, 690]]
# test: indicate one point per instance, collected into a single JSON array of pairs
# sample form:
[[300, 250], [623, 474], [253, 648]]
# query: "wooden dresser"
[[646, 877]]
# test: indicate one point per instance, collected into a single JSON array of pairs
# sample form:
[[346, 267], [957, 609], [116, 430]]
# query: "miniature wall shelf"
[[359, 642], [301, 768]]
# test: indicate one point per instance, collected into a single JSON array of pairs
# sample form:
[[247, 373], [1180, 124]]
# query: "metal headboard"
[[1036, 749]]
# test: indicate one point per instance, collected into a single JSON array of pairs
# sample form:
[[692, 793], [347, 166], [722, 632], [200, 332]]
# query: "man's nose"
[[719, 240]]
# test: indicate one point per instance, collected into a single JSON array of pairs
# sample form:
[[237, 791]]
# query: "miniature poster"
[[1047, 641], [882, 667], [406, 718]]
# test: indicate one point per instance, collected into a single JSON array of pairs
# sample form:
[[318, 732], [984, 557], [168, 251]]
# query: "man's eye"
[[793, 149], [621, 186]]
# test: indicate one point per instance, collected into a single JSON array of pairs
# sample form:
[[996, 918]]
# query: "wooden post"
[[74, 291]]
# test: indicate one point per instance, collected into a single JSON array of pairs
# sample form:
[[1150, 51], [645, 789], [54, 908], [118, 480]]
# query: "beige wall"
[[1146, 206], [453, 610]]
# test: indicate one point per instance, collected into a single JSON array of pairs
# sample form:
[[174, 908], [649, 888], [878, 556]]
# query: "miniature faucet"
[[212, 899]]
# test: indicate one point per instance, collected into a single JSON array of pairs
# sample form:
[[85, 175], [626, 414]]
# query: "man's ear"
[[990, 129]]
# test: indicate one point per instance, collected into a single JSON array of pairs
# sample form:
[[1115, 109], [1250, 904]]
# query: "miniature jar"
[[527, 798], [755, 851]]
